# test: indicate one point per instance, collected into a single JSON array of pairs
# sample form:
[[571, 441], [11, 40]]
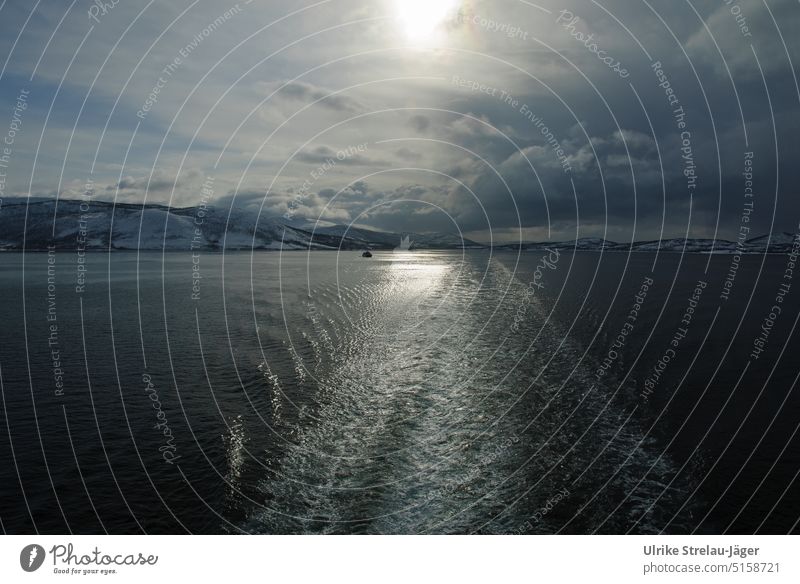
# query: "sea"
[[413, 392]]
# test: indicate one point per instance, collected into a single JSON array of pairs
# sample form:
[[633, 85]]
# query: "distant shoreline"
[[497, 248]]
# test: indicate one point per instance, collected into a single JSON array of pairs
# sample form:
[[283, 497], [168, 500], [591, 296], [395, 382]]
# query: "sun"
[[421, 19]]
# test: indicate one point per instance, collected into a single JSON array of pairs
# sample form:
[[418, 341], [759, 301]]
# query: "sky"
[[502, 120]]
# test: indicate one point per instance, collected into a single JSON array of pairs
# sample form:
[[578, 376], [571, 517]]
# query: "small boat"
[[366, 254]]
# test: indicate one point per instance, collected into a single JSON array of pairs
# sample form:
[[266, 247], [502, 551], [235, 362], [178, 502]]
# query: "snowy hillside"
[[106, 226], [37, 224], [777, 243]]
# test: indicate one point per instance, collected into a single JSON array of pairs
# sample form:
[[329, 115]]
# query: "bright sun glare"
[[420, 19]]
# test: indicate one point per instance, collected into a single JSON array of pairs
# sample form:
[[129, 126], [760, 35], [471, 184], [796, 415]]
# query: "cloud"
[[210, 116], [407, 154], [419, 123], [307, 93], [327, 155], [144, 183], [742, 30]]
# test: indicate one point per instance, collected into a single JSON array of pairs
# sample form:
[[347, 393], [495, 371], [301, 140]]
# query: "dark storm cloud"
[[626, 172]]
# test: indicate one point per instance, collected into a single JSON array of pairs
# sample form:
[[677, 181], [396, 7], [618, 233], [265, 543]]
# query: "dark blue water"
[[434, 392]]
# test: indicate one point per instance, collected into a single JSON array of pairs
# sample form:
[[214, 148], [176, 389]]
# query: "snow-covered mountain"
[[776, 243], [384, 240], [30, 225], [101, 225]]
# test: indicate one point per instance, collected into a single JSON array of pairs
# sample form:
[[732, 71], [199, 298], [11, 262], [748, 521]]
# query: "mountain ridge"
[[100, 225]]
